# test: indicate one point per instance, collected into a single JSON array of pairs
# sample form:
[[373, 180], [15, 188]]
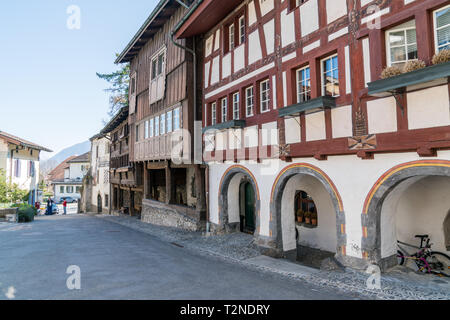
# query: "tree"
[[119, 86], [10, 193]]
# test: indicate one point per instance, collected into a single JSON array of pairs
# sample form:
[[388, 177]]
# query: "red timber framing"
[[275, 65]]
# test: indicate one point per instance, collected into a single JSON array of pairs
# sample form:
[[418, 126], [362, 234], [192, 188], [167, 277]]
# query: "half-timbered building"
[[307, 146], [163, 108]]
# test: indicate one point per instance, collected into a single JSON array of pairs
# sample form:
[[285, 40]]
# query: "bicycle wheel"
[[400, 258], [439, 263]]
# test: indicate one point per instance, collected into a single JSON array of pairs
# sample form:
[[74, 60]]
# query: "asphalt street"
[[116, 262]]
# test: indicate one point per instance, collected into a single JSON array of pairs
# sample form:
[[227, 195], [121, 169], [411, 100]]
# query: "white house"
[[100, 172], [74, 172], [19, 160]]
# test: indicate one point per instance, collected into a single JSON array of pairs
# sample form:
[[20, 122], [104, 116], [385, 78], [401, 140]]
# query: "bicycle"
[[427, 261]]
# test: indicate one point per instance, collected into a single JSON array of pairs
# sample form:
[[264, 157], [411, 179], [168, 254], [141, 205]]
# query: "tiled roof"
[[21, 142], [83, 158], [58, 172]]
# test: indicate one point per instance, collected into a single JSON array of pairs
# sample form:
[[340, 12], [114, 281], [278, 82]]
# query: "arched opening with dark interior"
[[239, 202], [309, 213], [411, 199]]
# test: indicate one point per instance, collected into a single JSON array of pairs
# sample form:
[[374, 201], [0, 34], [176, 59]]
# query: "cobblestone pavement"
[[398, 283]]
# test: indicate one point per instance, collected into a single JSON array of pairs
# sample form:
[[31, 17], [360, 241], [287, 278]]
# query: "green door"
[[249, 208]]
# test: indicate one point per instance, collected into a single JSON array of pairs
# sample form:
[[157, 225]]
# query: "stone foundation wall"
[[170, 216]]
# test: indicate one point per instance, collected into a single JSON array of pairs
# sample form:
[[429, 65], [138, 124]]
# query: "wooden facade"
[[163, 112]]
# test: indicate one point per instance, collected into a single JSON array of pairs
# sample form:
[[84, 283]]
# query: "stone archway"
[[312, 173], [382, 194], [230, 198]]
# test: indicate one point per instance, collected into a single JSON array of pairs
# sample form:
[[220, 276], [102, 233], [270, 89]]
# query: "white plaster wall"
[[315, 126], [269, 34], [207, 69], [287, 28], [239, 58], [269, 133], [217, 40], [382, 115], [309, 17], [324, 236], [209, 45], [226, 66], [215, 70], [251, 13], [254, 43], [251, 136], [233, 198], [429, 108], [292, 130], [336, 9], [235, 138], [352, 176], [3, 156], [221, 140], [341, 121], [266, 6], [78, 170]]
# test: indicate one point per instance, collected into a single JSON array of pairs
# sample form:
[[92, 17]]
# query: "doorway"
[[99, 204], [248, 205]]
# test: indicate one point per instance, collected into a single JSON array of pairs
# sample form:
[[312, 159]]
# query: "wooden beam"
[[158, 165]]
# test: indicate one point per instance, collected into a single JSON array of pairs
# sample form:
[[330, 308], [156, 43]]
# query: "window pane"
[[398, 54], [412, 52], [152, 123], [443, 17], [411, 36], [169, 121], [156, 126], [176, 119], [162, 123], [443, 36], [397, 38]]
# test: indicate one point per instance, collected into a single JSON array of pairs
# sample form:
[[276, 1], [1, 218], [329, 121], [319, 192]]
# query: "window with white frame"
[[169, 121], [224, 110], [158, 64], [330, 76], [157, 76], [231, 37], [265, 95], [17, 168], [176, 119], [146, 130], [442, 28], [162, 123], [156, 126], [236, 106], [401, 44], [303, 84], [213, 114], [241, 30], [69, 189], [152, 128], [249, 102], [61, 189]]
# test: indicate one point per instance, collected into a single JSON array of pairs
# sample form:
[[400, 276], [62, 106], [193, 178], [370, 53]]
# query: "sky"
[[49, 91]]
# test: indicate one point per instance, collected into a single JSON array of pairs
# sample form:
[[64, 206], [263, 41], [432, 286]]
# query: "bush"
[[391, 72], [414, 65], [441, 57], [27, 213]]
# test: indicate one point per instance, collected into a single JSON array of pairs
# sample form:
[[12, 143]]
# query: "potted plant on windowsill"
[[314, 218], [308, 217], [300, 215]]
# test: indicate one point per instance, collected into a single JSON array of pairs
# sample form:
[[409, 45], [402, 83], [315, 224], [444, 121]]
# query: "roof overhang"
[[203, 15], [21, 143], [120, 117], [159, 16]]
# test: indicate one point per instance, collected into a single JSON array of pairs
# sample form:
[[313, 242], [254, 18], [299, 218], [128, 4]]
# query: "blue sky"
[[49, 92]]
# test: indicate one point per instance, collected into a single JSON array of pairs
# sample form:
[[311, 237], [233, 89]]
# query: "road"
[[119, 263]]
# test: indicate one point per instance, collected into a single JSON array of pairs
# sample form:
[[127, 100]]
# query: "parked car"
[[68, 199]]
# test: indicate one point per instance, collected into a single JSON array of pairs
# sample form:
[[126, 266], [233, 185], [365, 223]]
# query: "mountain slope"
[[75, 150]]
